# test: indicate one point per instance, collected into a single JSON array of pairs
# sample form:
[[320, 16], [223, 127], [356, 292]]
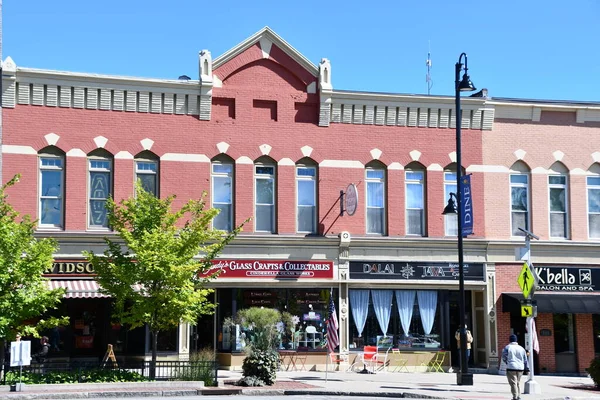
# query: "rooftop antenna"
[[428, 63]]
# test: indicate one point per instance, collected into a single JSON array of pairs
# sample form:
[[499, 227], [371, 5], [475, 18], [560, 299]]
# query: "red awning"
[[78, 288]]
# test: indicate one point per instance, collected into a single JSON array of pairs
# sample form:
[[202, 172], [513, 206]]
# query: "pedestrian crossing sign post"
[[526, 281]]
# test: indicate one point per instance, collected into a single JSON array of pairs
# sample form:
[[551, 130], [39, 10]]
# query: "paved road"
[[236, 397]]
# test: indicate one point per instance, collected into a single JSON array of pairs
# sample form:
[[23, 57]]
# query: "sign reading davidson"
[[279, 269], [70, 268]]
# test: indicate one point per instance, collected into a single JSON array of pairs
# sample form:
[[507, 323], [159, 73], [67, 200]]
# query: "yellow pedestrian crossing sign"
[[526, 310], [526, 281]]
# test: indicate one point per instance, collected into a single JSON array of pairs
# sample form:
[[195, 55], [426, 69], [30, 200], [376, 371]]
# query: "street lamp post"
[[463, 377]]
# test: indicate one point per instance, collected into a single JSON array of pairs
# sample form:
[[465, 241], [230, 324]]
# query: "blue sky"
[[526, 49]]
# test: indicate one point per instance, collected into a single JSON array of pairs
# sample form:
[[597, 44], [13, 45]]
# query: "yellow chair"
[[435, 365], [399, 361]]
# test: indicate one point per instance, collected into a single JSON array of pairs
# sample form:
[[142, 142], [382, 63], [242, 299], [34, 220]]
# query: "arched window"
[[593, 194], [52, 188], [146, 171], [375, 197], [222, 192], [100, 182], [519, 198], [264, 198], [306, 196], [557, 198], [415, 199]]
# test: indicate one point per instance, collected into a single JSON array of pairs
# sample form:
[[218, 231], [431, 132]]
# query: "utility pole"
[[531, 386]]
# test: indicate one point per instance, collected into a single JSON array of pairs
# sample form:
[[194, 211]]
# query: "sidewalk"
[[380, 385]]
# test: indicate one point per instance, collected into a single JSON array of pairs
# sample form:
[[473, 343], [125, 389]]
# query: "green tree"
[[152, 272], [24, 293]]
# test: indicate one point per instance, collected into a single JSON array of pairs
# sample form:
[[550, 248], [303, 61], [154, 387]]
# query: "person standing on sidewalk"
[[515, 358], [469, 341]]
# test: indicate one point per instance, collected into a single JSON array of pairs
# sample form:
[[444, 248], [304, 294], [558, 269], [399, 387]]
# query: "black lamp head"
[[465, 84], [450, 207]]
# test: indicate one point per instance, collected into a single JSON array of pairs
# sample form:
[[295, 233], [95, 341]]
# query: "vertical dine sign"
[[466, 202]]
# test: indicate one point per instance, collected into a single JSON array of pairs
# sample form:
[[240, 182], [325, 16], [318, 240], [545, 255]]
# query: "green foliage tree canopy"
[[152, 271], [24, 293]]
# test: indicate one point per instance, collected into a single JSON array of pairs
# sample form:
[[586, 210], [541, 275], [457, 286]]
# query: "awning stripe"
[[78, 288]]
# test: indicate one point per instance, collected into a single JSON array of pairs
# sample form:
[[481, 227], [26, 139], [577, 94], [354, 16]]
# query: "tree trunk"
[[2, 358], [153, 362]]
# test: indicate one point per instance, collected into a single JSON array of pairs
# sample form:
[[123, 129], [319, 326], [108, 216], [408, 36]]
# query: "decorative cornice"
[[266, 33]]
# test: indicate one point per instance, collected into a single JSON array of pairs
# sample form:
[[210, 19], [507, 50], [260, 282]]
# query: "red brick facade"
[[266, 103]]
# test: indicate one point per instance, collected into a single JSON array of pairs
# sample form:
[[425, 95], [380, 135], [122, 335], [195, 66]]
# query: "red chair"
[[370, 358]]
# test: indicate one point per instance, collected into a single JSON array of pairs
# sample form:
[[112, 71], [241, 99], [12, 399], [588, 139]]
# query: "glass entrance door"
[[564, 343]]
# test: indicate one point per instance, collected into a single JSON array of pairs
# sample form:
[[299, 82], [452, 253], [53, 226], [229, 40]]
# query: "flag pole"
[[328, 338]]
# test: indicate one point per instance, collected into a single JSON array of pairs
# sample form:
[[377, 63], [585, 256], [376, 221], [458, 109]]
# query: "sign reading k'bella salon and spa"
[[278, 269], [567, 279], [414, 270], [70, 268]]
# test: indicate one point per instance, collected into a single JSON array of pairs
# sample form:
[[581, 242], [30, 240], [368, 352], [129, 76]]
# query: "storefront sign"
[[70, 268], [414, 271], [278, 269], [567, 279], [351, 199]]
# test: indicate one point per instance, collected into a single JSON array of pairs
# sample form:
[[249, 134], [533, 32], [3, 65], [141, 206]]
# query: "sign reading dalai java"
[[279, 269], [70, 268]]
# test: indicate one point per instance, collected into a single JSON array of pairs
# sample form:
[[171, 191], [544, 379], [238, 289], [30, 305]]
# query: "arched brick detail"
[[315, 155], [524, 162], [310, 159], [90, 146], [253, 53], [286, 61], [386, 159], [288, 75]]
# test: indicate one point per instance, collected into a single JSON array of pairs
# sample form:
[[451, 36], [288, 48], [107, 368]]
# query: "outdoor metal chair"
[[435, 364]]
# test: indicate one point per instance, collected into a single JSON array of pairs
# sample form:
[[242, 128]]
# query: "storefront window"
[[166, 341], [308, 308], [421, 321]]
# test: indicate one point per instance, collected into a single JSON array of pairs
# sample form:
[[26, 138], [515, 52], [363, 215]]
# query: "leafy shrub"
[[250, 381], [201, 368], [261, 364], [75, 376], [594, 371]]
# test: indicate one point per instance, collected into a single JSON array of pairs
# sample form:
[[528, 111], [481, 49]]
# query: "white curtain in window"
[[382, 302], [427, 307], [359, 304], [406, 302]]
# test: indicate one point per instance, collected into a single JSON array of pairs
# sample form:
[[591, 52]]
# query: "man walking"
[[515, 358]]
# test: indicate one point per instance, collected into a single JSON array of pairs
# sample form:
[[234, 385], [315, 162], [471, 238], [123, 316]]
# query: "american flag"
[[333, 340]]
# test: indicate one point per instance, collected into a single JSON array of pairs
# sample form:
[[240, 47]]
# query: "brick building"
[[265, 133], [542, 174]]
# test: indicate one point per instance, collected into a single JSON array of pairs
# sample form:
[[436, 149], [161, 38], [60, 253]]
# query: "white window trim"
[[214, 174], [111, 174], [527, 186], [564, 186], [274, 204], [445, 201], [383, 183], [587, 203], [137, 172], [423, 189], [61, 196], [307, 178]]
